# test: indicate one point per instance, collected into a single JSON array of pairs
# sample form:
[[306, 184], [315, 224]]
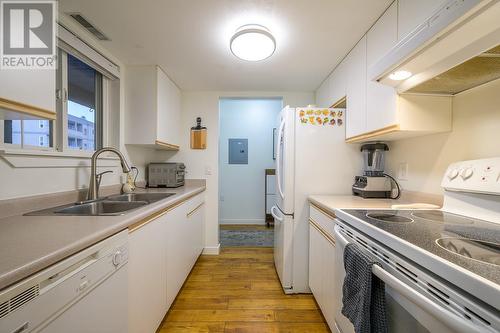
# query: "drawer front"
[[326, 222], [193, 203]]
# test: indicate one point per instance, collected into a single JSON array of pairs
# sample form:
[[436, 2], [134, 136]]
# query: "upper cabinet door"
[[169, 106], [153, 104], [30, 92], [381, 99], [412, 13], [356, 90], [333, 88]]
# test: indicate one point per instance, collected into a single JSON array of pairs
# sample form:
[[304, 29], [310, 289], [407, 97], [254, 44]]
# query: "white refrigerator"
[[311, 158]]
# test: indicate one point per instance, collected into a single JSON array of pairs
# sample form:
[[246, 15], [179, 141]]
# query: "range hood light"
[[400, 75]]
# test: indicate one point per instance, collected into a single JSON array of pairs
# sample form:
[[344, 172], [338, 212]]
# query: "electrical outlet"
[[403, 171], [208, 170]]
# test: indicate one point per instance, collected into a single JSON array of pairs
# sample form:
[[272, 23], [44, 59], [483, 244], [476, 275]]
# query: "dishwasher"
[[84, 293]]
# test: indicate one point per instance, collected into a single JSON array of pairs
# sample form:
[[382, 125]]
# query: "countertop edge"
[[11, 277]]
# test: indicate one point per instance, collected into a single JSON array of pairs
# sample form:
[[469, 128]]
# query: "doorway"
[[246, 161]]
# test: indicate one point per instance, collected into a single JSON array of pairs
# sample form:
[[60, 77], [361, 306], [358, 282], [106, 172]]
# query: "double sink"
[[110, 206]]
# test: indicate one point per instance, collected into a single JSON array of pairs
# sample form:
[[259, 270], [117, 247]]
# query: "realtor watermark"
[[28, 34]]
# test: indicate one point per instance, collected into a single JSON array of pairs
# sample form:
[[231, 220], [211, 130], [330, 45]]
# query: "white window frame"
[[62, 108], [71, 43], [22, 146]]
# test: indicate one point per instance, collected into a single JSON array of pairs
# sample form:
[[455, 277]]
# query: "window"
[[84, 104], [27, 133], [79, 116]]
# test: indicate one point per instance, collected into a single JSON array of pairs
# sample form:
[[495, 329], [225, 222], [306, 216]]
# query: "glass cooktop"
[[470, 243]]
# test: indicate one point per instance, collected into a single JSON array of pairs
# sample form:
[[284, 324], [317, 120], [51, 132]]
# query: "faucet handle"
[[99, 176]]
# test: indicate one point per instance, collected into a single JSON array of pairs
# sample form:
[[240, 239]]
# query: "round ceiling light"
[[253, 43]]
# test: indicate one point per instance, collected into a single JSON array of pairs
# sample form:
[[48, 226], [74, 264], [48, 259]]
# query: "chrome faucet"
[[93, 192]]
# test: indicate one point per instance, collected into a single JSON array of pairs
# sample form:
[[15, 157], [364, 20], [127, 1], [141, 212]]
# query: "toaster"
[[166, 174]]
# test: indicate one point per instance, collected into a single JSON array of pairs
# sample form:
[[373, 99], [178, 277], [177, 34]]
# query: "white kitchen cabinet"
[[322, 263], [315, 262], [153, 105], [414, 115], [412, 13], [380, 98], [147, 275], [27, 94], [162, 252], [375, 111], [333, 88], [184, 243], [356, 90]]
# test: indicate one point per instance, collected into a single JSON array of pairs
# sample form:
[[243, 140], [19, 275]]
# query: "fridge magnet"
[[323, 117]]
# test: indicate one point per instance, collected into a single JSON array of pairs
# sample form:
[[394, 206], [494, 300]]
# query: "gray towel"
[[363, 293]]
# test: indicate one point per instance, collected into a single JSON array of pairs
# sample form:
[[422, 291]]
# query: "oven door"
[[407, 310]]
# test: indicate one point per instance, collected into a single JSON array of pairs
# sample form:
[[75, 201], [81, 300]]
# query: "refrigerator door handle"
[[278, 166], [275, 215]]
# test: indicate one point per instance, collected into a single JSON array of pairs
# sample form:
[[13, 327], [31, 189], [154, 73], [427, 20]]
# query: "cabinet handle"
[[322, 232], [194, 210]]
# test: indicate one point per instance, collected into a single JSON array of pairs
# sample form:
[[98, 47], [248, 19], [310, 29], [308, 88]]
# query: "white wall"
[[205, 104], [241, 186], [475, 135]]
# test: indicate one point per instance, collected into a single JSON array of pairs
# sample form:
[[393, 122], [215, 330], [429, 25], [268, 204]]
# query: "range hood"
[[455, 49], [472, 73]]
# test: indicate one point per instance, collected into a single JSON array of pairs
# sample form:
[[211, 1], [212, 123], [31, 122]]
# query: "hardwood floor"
[[239, 291]]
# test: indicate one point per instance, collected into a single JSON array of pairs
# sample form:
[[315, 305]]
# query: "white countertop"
[[332, 202], [29, 244]]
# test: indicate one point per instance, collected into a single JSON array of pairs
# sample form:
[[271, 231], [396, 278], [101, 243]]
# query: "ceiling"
[[189, 39]]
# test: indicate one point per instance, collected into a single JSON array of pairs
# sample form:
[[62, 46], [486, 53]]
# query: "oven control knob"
[[452, 174], [466, 173], [117, 258]]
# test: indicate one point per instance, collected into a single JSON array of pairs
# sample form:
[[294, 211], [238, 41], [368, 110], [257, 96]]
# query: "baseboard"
[[212, 250], [243, 221]]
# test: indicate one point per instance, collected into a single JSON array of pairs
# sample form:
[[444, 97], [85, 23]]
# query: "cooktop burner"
[[440, 216], [486, 252], [389, 217], [467, 242]]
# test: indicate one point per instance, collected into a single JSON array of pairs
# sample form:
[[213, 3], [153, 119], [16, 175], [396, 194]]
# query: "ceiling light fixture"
[[253, 43], [400, 75]]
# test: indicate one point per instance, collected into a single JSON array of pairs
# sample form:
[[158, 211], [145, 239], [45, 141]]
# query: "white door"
[[285, 160], [283, 251]]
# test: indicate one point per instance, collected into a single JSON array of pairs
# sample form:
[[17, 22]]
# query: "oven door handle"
[[454, 322]]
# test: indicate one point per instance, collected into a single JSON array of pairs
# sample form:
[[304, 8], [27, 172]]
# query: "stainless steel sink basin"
[[133, 197], [101, 208], [113, 205]]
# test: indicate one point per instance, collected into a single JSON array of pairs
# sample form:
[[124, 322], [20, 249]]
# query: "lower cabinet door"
[[176, 247], [322, 274], [184, 243], [315, 262], [328, 282], [147, 275]]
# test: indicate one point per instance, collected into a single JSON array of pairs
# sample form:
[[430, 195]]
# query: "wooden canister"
[[198, 136]]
